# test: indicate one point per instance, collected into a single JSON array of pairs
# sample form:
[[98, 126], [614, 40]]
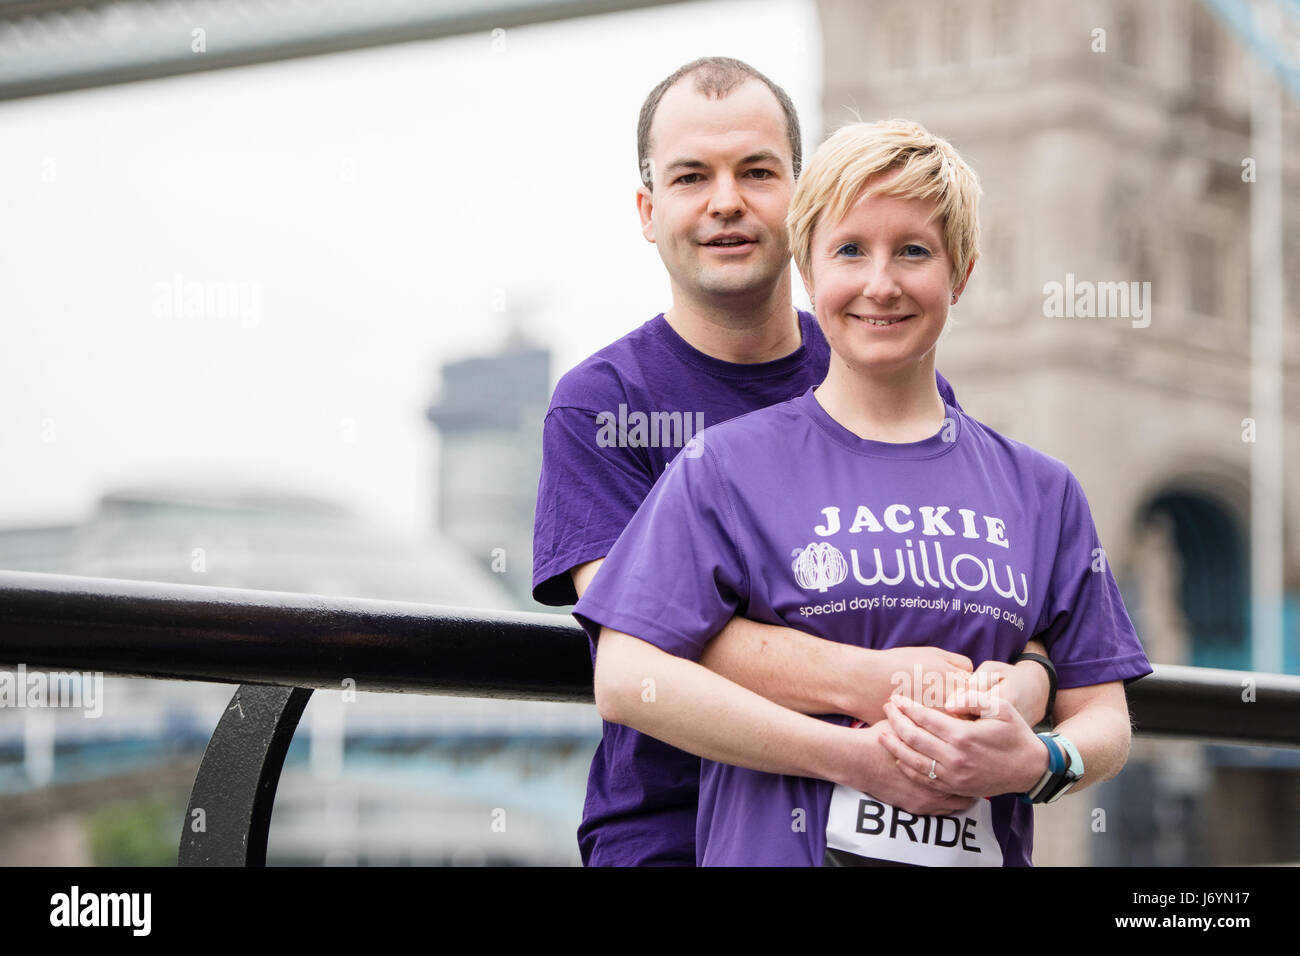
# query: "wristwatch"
[[1064, 770]]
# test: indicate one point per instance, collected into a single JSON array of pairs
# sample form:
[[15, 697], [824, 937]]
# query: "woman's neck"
[[898, 406]]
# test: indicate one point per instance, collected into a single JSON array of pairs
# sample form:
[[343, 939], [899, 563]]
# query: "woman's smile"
[[880, 321]]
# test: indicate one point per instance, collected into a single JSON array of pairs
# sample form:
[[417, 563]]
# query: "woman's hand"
[[993, 754], [879, 775]]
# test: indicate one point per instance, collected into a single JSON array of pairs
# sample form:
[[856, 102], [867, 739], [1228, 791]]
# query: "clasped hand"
[[977, 745]]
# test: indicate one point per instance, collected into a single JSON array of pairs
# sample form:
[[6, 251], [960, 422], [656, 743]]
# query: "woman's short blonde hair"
[[929, 169]]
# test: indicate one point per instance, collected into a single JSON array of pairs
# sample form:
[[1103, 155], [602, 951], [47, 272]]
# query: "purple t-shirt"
[[967, 541], [615, 422]]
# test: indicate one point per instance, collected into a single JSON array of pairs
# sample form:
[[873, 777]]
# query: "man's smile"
[[730, 243]]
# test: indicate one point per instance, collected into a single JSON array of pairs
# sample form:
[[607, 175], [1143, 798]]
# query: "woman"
[[868, 511]]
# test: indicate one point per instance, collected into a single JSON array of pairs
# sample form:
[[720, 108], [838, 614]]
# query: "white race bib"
[[860, 824]]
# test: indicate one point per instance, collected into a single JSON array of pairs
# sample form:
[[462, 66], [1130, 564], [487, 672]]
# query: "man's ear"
[[645, 208]]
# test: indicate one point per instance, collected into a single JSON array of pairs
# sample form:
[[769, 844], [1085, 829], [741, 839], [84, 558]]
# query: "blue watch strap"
[[1056, 757], [1056, 765]]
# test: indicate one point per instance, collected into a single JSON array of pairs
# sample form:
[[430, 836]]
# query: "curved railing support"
[[229, 813]]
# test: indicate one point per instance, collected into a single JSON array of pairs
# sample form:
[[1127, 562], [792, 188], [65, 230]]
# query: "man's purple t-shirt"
[[967, 541], [615, 422]]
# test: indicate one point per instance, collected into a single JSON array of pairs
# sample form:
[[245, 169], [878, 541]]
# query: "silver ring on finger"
[[933, 775]]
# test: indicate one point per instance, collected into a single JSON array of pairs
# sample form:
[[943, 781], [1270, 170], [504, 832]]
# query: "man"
[[719, 150]]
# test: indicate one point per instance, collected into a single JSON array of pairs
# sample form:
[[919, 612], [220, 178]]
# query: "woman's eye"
[[849, 249], [915, 250]]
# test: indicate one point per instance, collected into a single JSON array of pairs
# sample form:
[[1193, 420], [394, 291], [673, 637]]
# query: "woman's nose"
[[880, 283]]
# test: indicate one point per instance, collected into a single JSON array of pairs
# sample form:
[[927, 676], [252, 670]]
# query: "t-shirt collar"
[[940, 443], [715, 366]]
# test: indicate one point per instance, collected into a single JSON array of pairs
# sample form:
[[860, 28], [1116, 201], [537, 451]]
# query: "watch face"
[[1063, 791]]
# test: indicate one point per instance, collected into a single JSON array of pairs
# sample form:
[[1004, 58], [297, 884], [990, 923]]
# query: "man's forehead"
[[690, 125]]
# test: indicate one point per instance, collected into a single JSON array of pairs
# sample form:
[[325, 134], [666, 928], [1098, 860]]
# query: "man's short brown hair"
[[715, 77]]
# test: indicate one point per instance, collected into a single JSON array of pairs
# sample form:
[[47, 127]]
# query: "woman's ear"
[[962, 284]]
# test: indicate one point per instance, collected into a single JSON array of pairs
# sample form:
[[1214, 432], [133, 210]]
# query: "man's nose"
[[726, 200]]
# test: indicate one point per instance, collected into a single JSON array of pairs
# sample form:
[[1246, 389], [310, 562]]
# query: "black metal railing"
[[279, 647]]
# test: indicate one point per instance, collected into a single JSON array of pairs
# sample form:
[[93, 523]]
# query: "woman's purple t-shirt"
[[615, 422], [967, 541]]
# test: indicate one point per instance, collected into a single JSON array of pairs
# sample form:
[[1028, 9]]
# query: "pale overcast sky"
[[361, 212]]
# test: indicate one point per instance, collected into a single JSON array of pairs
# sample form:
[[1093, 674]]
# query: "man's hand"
[[1025, 686], [879, 775], [913, 672], [994, 754]]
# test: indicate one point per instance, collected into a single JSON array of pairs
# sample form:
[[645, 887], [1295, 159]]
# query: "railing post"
[[229, 813]]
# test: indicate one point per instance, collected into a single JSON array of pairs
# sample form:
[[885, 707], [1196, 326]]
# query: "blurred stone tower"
[[1110, 137], [490, 420]]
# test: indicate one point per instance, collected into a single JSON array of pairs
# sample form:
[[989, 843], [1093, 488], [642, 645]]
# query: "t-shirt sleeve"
[[678, 573], [1085, 625], [587, 493]]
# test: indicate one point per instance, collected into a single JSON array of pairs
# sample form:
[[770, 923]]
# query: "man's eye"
[[682, 179], [761, 173], [849, 248]]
